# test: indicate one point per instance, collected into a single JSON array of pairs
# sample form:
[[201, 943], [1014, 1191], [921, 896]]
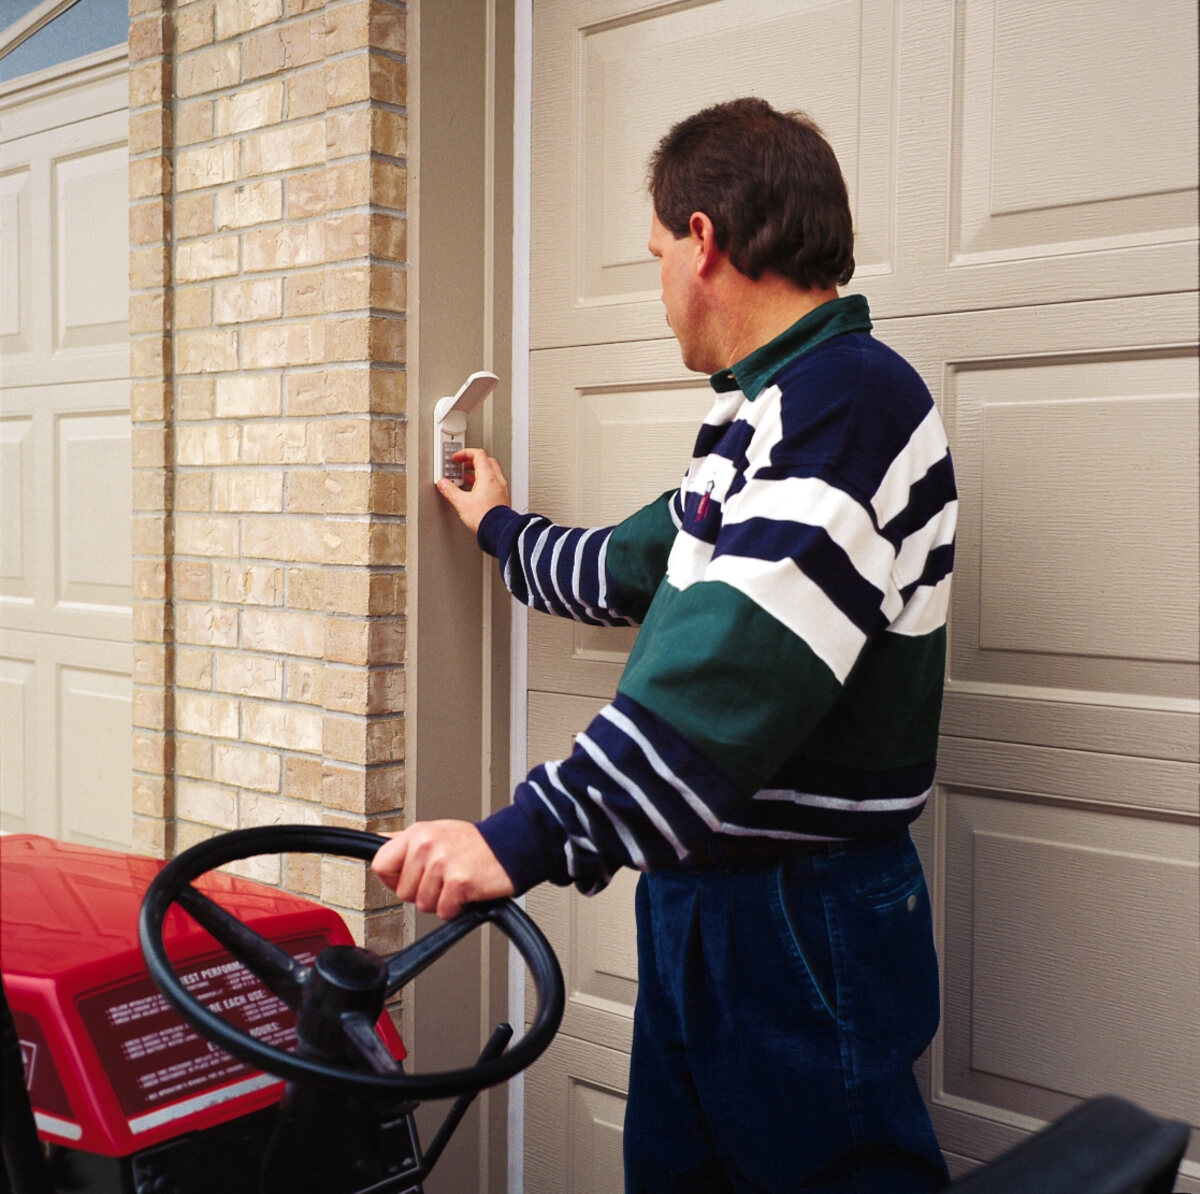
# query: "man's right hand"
[[488, 487]]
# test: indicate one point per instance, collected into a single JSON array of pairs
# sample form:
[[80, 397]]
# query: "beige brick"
[[284, 47], [149, 222], [150, 401], [282, 726], [308, 194], [389, 133], [196, 535], [389, 236], [152, 753], [250, 676], [207, 804], [192, 580], [347, 441], [301, 540], [245, 302], [152, 837], [305, 682], [237, 491], [303, 778], [149, 131], [149, 579], [207, 166], [306, 588], [193, 27], [287, 247], [206, 352], [257, 809], [245, 767], [240, 16], [283, 345], [348, 288], [283, 632], [202, 260], [306, 93], [249, 108], [148, 355], [149, 709], [149, 83], [362, 338], [193, 492], [193, 307], [332, 392], [153, 796], [206, 716], [364, 740], [206, 625], [347, 640], [347, 542], [146, 38], [281, 443], [302, 874], [194, 398], [250, 204], [248, 584], [347, 28], [329, 492], [388, 80], [304, 294], [195, 122], [151, 534], [347, 236], [248, 395], [151, 489], [193, 215], [148, 267], [193, 670], [188, 834], [348, 133], [151, 663], [389, 28], [212, 69], [287, 148], [347, 81], [149, 622], [389, 184]]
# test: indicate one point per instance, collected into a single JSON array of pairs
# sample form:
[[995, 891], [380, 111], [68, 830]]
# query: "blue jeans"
[[781, 1005]]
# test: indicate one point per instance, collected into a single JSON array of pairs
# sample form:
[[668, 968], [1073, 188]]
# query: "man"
[[775, 729]]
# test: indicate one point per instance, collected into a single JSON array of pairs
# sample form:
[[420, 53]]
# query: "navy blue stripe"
[[926, 499], [820, 559]]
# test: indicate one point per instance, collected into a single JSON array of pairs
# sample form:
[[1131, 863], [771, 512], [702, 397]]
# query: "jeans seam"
[[800, 951]]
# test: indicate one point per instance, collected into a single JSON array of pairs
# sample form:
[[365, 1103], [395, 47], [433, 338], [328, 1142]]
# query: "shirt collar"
[[753, 373]]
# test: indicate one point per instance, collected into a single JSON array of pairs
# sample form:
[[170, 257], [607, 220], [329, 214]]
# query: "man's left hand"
[[440, 866]]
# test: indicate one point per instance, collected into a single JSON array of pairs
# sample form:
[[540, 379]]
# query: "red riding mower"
[[153, 1060], [134, 1091]]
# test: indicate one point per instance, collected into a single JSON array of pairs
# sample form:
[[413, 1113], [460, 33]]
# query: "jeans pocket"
[[804, 935], [901, 882]]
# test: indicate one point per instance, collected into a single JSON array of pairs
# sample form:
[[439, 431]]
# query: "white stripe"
[[627, 785], [622, 830], [531, 570], [791, 598], [817, 503], [926, 611], [54, 1126], [720, 471], [166, 1115], [602, 572], [656, 761], [688, 560], [924, 449], [811, 800], [554, 557]]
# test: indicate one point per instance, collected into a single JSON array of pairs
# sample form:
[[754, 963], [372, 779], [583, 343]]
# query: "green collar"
[[753, 374]]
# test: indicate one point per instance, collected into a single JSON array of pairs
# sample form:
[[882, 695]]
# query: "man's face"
[[680, 295]]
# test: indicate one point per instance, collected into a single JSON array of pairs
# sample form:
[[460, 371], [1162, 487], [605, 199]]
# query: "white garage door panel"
[[1026, 129], [66, 488], [1071, 964]]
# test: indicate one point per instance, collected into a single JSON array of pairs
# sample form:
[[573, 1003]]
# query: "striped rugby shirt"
[[792, 593]]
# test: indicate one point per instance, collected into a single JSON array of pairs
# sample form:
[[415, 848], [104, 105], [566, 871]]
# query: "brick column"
[[278, 551]]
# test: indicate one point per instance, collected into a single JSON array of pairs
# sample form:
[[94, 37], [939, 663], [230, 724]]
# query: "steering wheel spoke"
[[360, 1032], [275, 968], [404, 966]]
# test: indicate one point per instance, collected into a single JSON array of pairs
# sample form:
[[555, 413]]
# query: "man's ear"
[[704, 235]]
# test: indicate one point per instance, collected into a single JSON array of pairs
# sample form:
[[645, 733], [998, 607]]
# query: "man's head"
[[771, 186]]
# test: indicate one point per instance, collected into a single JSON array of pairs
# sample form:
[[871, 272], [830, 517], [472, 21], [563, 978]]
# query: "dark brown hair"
[[769, 182]]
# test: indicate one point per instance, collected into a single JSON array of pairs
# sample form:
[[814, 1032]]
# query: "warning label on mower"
[[152, 1057]]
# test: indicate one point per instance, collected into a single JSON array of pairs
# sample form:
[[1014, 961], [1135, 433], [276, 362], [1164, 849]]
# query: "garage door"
[[65, 471], [1024, 185]]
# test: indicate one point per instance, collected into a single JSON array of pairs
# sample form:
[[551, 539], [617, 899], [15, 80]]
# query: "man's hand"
[[488, 487], [440, 866]]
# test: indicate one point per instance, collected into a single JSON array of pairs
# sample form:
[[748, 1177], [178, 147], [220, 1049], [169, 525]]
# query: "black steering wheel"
[[360, 980]]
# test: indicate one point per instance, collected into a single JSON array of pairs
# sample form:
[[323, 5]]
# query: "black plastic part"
[[23, 1166], [1104, 1146], [175, 878]]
